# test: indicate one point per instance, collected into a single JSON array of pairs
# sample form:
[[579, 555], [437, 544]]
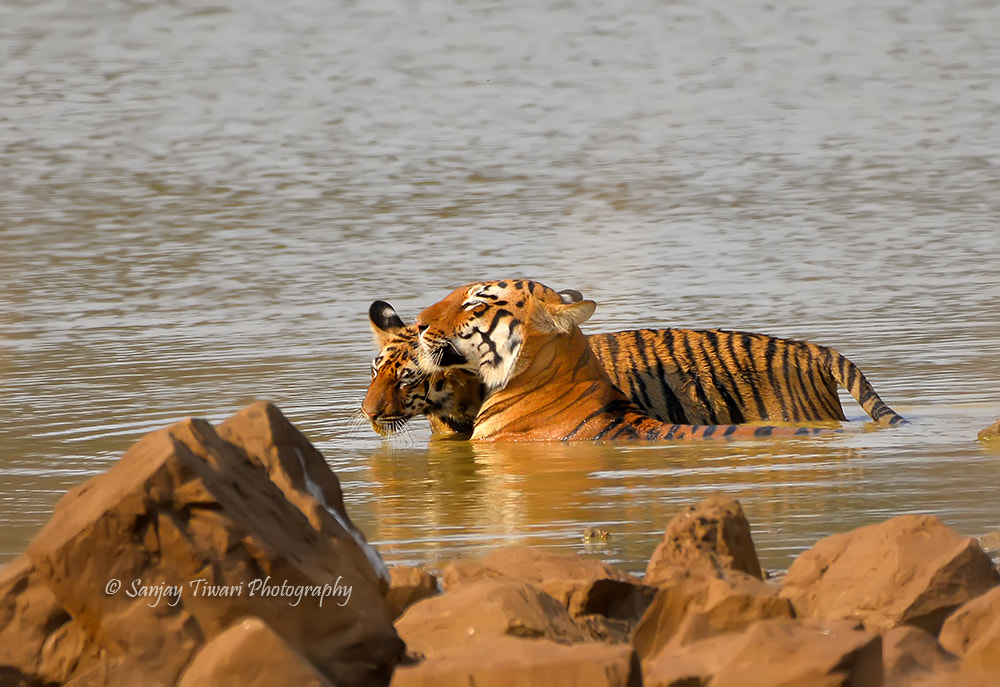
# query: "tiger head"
[[400, 389], [483, 327]]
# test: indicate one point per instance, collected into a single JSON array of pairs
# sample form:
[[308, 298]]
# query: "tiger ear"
[[384, 321], [570, 296], [562, 318]]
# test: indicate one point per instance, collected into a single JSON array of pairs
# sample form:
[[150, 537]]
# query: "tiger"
[[400, 390], [676, 375], [543, 380]]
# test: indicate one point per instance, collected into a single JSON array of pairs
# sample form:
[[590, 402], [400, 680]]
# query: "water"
[[198, 201]]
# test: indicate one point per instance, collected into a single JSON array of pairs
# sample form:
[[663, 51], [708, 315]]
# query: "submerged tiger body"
[[675, 375], [543, 381]]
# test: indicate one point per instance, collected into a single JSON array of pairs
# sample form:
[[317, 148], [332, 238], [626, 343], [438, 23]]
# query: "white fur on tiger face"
[[482, 326]]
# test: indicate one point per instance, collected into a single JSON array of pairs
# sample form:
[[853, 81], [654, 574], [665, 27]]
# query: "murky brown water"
[[199, 201]]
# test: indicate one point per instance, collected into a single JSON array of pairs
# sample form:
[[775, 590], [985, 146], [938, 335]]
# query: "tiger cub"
[[543, 381], [400, 390]]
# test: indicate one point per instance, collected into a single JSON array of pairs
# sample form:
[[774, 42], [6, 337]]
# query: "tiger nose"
[[421, 327]]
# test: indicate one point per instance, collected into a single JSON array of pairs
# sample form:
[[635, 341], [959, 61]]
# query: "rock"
[[909, 653], [730, 606], [712, 535], [583, 585], [298, 469], [603, 629], [957, 677], [971, 621], [692, 665], [911, 569], [973, 632], [772, 652], [990, 542], [38, 639], [703, 606], [408, 585], [118, 671], [789, 652], [196, 535], [991, 433], [250, 654], [508, 661], [482, 611]]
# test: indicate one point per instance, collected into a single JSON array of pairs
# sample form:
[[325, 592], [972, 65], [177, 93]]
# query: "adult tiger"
[[675, 375], [543, 380], [715, 376]]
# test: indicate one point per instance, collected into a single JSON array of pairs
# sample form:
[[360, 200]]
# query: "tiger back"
[[718, 377], [544, 382]]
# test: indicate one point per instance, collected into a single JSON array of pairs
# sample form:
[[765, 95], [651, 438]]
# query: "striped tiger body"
[[716, 376], [543, 381]]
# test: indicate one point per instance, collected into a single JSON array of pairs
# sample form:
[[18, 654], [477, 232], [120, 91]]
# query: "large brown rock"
[[911, 569], [792, 653], [692, 665], [973, 632], [39, 641], [250, 654], [273, 443], [480, 612], [685, 611], [507, 662], [188, 532], [408, 585], [772, 652], [713, 535], [582, 585]]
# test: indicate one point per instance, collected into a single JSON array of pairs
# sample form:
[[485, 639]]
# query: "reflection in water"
[[456, 498], [198, 205]]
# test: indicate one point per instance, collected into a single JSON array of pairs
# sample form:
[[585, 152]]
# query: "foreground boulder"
[[38, 638], [772, 652], [192, 530], [583, 585], [912, 569], [291, 463], [249, 652], [713, 535], [509, 661], [785, 652], [482, 611], [687, 610]]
